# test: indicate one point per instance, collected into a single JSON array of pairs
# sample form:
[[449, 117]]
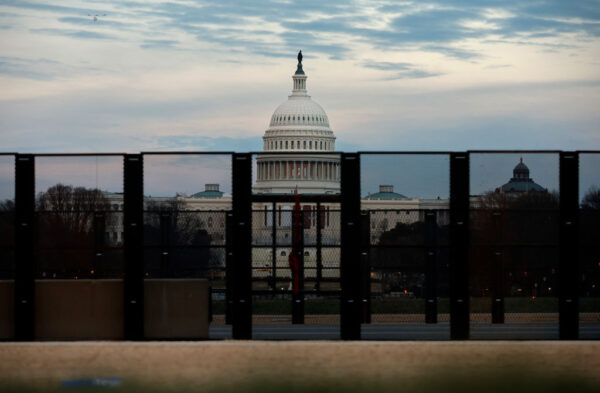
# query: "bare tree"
[[7, 238], [591, 199], [65, 230], [169, 224]]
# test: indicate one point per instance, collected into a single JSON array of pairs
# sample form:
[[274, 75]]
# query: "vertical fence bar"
[[431, 281], [99, 244], [568, 267], [298, 284], [165, 244], [459, 237], [497, 272], [365, 267], [274, 249], [350, 308], [319, 245], [241, 311], [229, 270], [24, 246], [133, 219]]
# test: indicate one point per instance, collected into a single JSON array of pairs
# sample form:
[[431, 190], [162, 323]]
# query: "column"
[[304, 170]]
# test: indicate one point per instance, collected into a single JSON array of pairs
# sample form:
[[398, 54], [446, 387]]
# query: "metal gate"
[[295, 263]]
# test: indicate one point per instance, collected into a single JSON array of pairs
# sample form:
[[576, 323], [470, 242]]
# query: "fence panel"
[[514, 236], [79, 220], [406, 200], [7, 245], [7, 217], [589, 245], [187, 198]]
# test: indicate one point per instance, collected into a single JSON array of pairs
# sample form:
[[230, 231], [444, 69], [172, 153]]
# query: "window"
[[283, 253], [304, 145], [293, 117], [310, 145], [286, 144], [321, 145], [292, 144], [306, 254]]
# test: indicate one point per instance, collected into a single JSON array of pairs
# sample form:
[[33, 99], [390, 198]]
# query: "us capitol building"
[[299, 153]]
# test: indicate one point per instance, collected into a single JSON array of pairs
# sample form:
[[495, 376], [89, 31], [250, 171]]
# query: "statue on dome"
[[300, 57]]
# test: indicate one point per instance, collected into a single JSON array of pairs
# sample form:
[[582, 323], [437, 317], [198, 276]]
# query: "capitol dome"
[[299, 124]]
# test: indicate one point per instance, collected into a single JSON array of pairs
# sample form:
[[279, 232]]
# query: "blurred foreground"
[[304, 366]]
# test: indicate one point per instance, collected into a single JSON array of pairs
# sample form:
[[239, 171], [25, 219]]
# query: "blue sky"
[[399, 75]]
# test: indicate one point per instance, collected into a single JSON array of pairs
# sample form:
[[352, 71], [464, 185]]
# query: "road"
[[413, 331]]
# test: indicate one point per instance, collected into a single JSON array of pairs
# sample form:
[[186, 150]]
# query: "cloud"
[[150, 44], [85, 34], [400, 70], [42, 69]]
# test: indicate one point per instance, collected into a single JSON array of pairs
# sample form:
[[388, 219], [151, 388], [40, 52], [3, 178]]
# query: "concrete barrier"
[[79, 310], [7, 307], [176, 308], [93, 309]]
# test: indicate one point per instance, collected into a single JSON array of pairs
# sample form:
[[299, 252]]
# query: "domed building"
[[298, 125], [521, 182]]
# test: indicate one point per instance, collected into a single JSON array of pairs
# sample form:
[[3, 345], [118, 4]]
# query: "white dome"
[[299, 111], [299, 123]]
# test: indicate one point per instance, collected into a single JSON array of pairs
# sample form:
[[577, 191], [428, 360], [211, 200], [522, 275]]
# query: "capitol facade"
[[296, 146]]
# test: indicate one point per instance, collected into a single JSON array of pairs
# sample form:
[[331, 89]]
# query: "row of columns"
[[299, 170], [306, 145]]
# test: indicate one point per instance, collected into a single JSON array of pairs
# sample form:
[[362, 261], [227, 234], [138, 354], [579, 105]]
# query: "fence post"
[[99, 244], [497, 279], [133, 220], [319, 275], [350, 308], [365, 267], [273, 283], [431, 281], [24, 246], [298, 293], [459, 237], [229, 270], [241, 293], [568, 267], [165, 244]]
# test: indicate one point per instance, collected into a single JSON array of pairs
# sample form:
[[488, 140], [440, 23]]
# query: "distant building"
[[521, 182]]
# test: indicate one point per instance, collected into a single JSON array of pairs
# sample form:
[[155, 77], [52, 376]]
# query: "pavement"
[[409, 331]]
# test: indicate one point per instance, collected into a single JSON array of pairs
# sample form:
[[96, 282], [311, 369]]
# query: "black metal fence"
[[460, 256]]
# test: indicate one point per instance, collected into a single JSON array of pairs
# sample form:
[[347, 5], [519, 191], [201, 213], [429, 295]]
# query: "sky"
[[393, 75], [130, 76]]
